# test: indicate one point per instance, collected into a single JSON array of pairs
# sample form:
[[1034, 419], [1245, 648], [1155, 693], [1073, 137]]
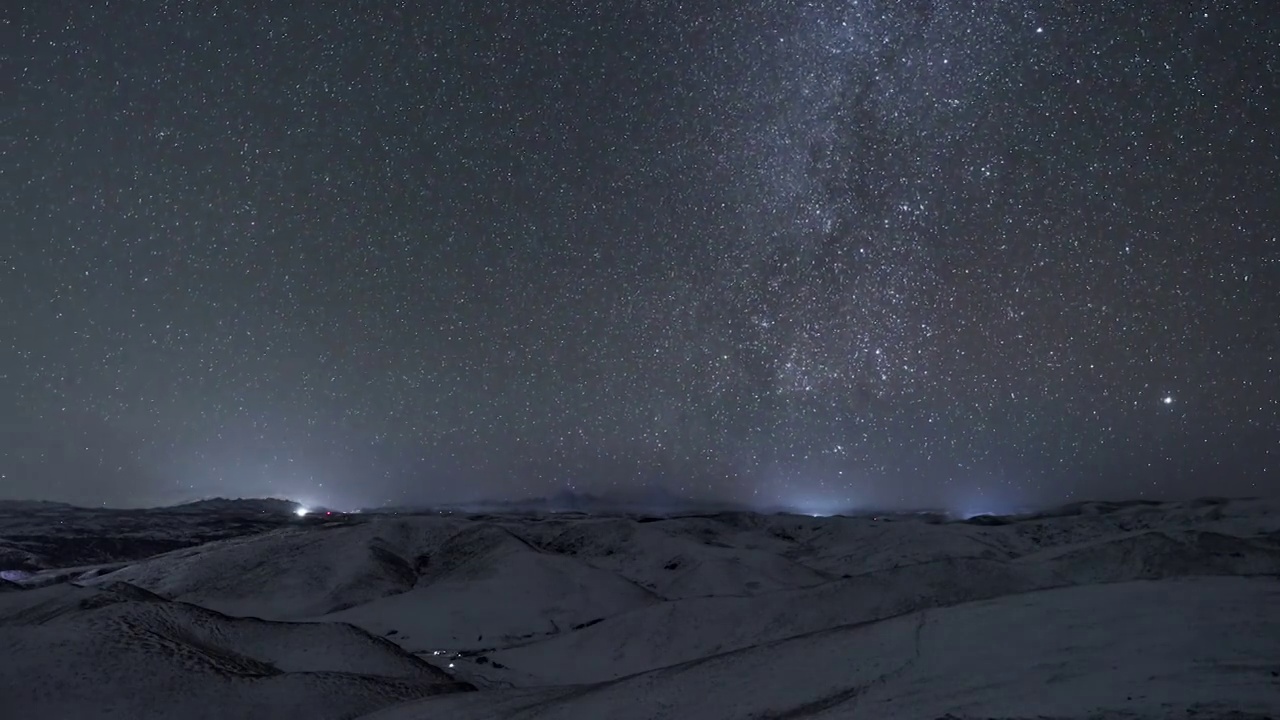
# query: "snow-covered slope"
[[37, 536], [1127, 650], [727, 614], [682, 557], [286, 574], [685, 630], [119, 651], [498, 590]]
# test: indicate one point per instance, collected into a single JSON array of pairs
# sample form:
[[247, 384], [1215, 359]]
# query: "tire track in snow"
[[851, 695]]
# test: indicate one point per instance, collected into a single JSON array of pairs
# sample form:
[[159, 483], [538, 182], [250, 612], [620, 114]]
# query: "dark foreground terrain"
[[242, 609]]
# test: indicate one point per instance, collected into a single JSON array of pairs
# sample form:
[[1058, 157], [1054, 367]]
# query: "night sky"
[[840, 252]]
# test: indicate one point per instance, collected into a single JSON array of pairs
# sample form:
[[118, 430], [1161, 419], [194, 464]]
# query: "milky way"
[[832, 253]]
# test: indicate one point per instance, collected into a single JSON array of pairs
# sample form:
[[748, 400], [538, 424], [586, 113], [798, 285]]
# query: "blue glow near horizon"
[[818, 507]]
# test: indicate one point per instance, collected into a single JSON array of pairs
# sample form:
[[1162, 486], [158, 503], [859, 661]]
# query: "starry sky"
[[828, 253]]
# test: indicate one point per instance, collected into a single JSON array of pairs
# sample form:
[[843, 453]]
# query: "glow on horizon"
[[819, 507]]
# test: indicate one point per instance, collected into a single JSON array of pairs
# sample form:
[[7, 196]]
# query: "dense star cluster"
[[840, 252]]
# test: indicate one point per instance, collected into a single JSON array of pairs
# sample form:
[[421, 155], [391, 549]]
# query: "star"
[[429, 252]]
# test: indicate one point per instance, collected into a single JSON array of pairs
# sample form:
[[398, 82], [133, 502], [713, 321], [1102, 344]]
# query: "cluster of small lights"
[[864, 251]]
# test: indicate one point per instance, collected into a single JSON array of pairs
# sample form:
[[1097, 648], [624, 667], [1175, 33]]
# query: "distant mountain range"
[[273, 506], [207, 505]]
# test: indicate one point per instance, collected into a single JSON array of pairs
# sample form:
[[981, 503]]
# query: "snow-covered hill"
[[38, 536], [1127, 650], [1124, 610], [119, 651]]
